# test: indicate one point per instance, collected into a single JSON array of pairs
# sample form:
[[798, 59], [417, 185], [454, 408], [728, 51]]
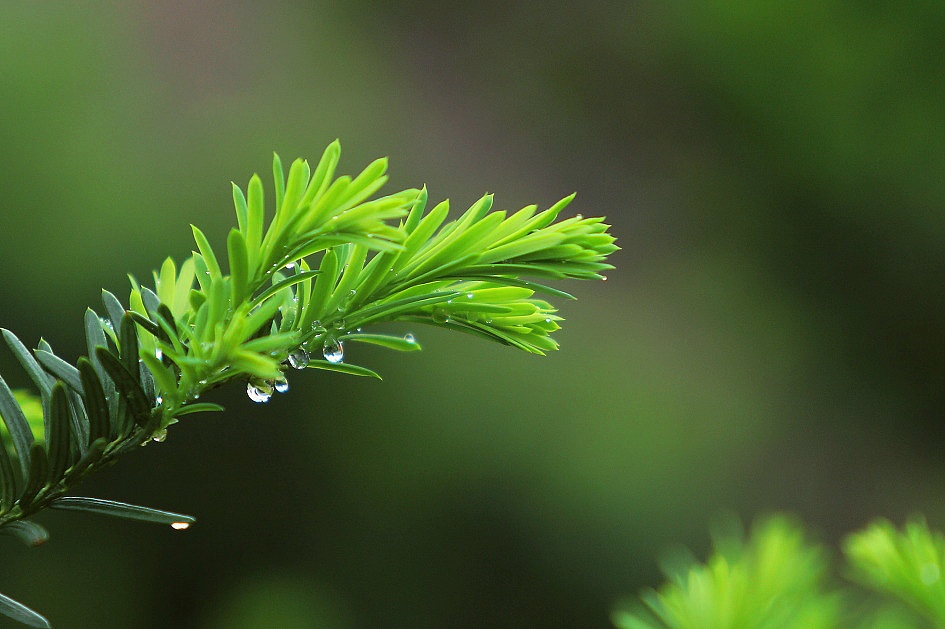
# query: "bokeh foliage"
[[777, 579]]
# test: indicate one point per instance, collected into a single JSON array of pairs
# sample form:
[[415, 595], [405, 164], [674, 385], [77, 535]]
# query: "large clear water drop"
[[333, 351], [299, 359], [410, 338], [281, 385], [259, 390], [159, 435]]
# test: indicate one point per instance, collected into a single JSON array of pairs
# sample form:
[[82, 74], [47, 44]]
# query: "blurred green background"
[[772, 338]]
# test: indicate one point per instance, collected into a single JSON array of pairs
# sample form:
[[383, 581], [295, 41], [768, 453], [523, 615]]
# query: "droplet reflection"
[[299, 359], [333, 351], [259, 390]]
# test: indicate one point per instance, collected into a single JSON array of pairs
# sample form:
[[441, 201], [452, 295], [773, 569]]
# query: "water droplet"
[[299, 359], [352, 293], [318, 328], [281, 385], [290, 266], [259, 390], [410, 338], [159, 400], [339, 324], [441, 316], [603, 278], [159, 435], [107, 323], [158, 353], [547, 320], [579, 216], [333, 351], [180, 526], [469, 295]]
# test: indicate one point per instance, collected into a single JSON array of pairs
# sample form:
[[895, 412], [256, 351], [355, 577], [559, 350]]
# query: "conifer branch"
[[300, 284]]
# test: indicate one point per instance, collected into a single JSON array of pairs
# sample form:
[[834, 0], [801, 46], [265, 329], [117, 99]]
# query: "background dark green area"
[[772, 339]]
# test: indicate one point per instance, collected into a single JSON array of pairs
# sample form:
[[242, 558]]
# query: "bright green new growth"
[[907, 565], [778, 581], [299, 286], [774, 581]]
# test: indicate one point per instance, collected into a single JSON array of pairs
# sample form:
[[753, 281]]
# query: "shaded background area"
[[772, 338]]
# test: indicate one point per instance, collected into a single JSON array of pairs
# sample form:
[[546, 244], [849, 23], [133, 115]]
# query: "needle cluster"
[[291, 287]]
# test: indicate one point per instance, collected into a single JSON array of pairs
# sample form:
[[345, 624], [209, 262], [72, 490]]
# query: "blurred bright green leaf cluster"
[[772, 581], [907, 565], [779, 580]]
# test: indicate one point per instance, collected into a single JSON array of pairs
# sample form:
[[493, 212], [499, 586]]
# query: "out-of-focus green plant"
[[775, 580], [779, 581], [328, 263], [907, 565]]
